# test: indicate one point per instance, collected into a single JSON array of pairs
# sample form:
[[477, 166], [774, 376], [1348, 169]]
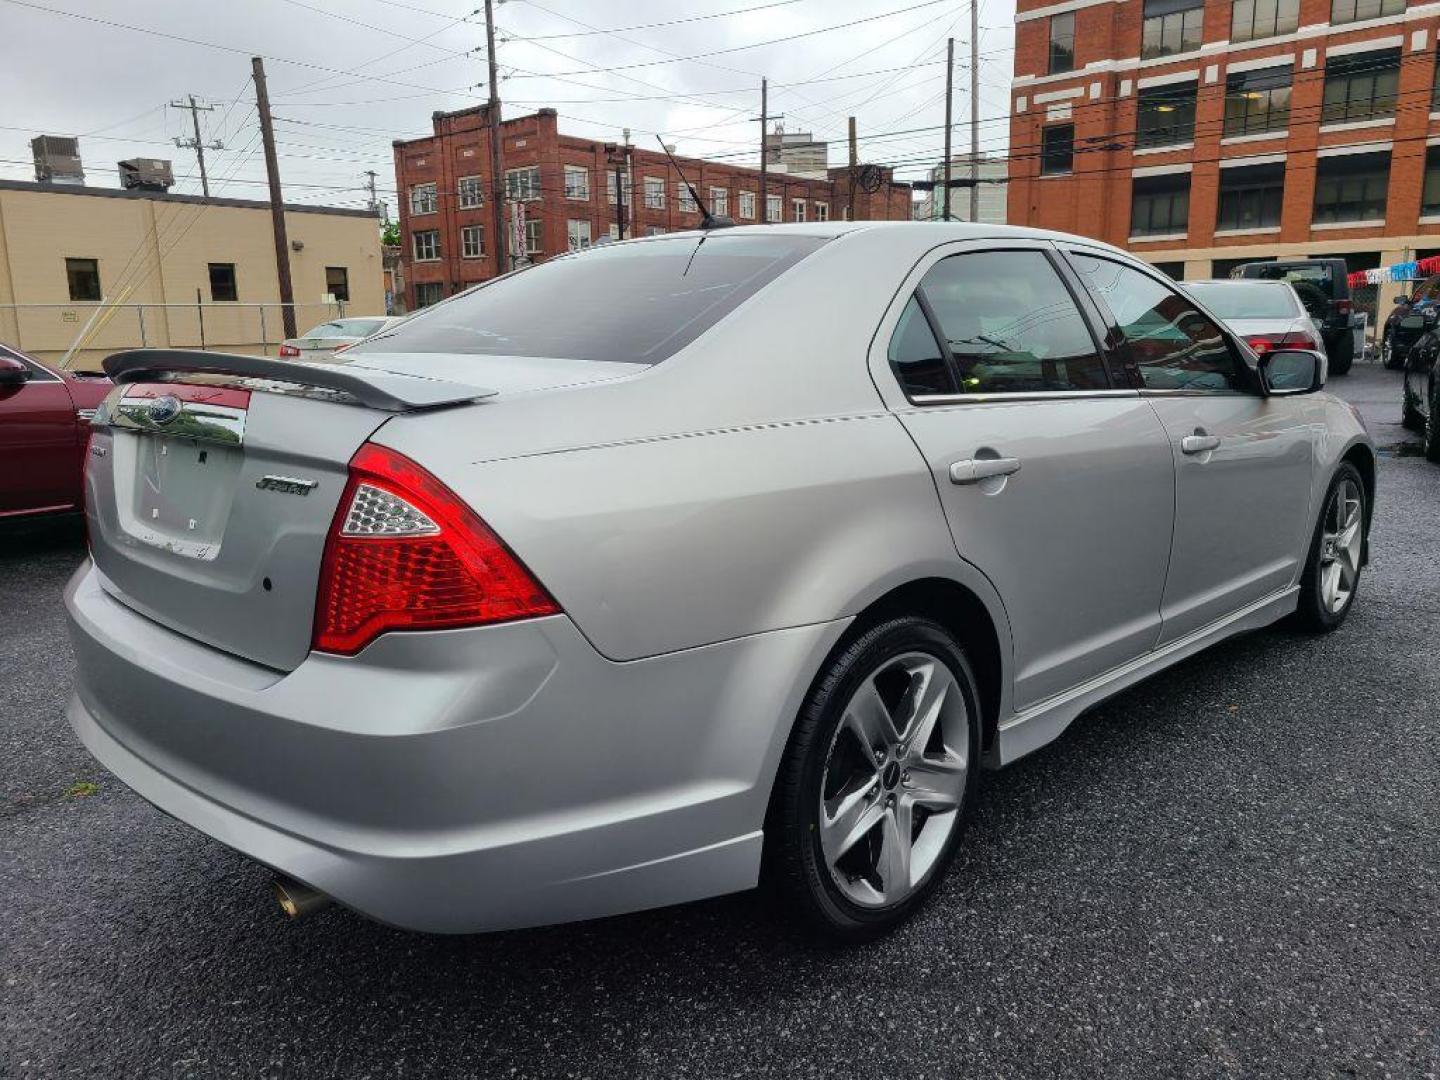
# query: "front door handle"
[[973, 470], [1199, 444]]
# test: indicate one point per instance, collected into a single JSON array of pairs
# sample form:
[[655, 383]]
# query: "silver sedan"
[[664, 567]]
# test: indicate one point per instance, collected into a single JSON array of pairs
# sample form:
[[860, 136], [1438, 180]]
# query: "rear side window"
[[916, 356], [1173, 345], [1011, 325], [632, 303]]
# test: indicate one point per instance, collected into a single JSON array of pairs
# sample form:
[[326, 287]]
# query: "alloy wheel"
[[1340, 546], [894, 779]]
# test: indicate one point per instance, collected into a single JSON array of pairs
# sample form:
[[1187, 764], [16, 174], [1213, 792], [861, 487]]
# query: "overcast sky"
[[347, 76]]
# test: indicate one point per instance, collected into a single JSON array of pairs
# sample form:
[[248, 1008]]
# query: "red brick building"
[[1200, 133], [567, 188]]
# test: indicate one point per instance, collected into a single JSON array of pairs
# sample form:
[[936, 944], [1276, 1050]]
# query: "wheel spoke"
[[894, 861], [936, 783], [870, 720], [928, 694], [856, 815]]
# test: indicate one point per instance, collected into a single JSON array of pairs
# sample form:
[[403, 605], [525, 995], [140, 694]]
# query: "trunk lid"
[[209, 499]]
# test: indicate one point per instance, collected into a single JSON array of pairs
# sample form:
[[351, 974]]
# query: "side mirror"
[[12, 371], [1291, 371]]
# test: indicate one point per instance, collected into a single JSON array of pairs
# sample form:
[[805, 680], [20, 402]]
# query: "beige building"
[[174, 271]]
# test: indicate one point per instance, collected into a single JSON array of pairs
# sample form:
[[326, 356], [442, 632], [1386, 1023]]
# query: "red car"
[[44, 420]]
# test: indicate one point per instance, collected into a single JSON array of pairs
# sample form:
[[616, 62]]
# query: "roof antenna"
[[707, 219]]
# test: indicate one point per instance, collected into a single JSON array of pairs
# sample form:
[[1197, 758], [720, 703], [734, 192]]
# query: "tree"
[[390, 234]]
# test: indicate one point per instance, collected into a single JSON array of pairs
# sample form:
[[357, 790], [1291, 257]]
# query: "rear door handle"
[[1198, 444], [973, 470]]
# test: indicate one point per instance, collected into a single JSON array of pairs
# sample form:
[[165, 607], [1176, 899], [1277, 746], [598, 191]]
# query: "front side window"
[[427, 245], [1170, 27], [1257, 101], [1360, 86], [1166, 115], [337, 283], [624, 303], [1057, 150], [1062, 43], [654, 193], [577, 235], [1254, 19], [472, 241], [1344, 11], [1010, 325], [577, 183], [422, 199], [222, 282], [1160, 205], [1251, 196], [1172, 345], [747, 205], [1351, 187], [471, 193], [523, 185]]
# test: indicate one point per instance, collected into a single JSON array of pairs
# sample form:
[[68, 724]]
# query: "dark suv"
[[1323, 286], [1412, 316]]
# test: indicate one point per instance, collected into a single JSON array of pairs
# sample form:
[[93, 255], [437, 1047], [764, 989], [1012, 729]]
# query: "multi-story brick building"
[[1200, 133], [567, 187]]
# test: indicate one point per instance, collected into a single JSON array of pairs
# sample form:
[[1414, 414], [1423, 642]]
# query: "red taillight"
[[289, 350], [405, 554], [341, 348], [1263, 343], [1342, 307]]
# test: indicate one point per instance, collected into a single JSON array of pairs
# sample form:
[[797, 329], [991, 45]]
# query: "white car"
[[1267, 314], [324, 341]]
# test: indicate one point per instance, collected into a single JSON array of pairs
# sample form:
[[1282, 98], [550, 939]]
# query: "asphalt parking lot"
[[1231, 870]]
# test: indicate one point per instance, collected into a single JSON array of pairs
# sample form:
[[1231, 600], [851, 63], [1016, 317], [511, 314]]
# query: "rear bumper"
[[455, 781]]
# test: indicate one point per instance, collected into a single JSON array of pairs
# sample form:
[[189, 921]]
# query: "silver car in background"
[[321, 343], [1266, 314], [652, 570]]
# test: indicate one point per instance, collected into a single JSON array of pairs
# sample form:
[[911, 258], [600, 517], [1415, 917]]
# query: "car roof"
[[1249, 283]]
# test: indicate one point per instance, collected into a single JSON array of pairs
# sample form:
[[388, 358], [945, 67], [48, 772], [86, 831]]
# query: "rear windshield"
[[346, 328], [634, 303], [1247, 300], [1315, 275]]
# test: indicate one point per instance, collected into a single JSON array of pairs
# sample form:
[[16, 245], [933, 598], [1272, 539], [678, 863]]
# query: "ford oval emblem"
[[164, 409]]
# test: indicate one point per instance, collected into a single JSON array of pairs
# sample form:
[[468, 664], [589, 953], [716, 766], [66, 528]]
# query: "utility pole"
[[497, 168], [376, 207], [949, 89], [615, 156], [764, 150], [974, 110], [197, 144], [854, 164], [277, 202]]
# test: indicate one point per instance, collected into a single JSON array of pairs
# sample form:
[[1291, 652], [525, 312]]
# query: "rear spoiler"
[[388, 391]]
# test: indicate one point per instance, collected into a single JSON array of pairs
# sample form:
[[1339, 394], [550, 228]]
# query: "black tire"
[[1342, 353], [1394, 358], [1410, 418], [795, 864], [1430, 435], [1312, 613]]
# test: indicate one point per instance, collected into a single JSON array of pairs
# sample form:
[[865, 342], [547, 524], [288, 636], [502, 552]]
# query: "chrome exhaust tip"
[[297, 900]]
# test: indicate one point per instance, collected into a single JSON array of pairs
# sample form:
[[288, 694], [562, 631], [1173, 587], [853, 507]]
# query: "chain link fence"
[[80, 336]]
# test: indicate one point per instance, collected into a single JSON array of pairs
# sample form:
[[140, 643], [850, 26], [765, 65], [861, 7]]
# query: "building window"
[[523, 185], [1351, 187], [1062, 43], [684, 200], [610, 186], [471, 193], [337, 283], [1251, 196], [577, 183], [822, 211], [719, 201], [654, 193], [747, 206], [1170, 27], [1057, 150], [427, 245], [1435, 87], [1360, 86], [1160, 205], [1253, 19], [1430, 193], [84, 278], [1257, 101], [422, 199], [428, 292], [797, 209], [472, 241], [1166, 115], [1344, 11], [773, 208], [222, 282], [654, 230], [534, 237], [577, 235]]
